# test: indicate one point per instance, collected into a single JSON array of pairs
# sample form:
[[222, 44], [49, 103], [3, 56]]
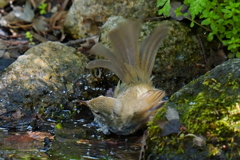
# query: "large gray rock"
[[86, 16], [201, 120], [40, 80]]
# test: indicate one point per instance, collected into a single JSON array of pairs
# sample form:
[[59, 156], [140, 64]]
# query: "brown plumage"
[[135, 99]]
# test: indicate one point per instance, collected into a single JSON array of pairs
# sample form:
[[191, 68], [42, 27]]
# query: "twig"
[[203, 49], [38, 37], [14, 43], [72, 42], [33, 4], [64, 5]]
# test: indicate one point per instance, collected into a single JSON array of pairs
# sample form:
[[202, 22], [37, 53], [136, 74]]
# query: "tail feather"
[[150, 45], [124, 40], [101, 50], [128, 61], [103, 63]]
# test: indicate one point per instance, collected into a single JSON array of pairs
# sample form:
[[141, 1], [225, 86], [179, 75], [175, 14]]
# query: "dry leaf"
[[26, 13], [162, 123], [144, 145], [173, 126], [40, 24], [172, 114], [89, 43], [197, 140], [40, 135]]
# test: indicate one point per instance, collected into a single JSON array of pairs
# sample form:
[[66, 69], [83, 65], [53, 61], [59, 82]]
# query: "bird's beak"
[[85, 103]]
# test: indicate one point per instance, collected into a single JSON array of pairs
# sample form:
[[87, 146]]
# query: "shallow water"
[[72, 140]]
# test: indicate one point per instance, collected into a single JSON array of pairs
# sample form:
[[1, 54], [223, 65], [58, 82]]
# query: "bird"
[[135, 99]]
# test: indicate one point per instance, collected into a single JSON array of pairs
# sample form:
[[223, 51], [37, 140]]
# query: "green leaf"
[[214, 27], [43, 8], [205, 14], [160, 3], [237, 11], [225, 10], [223, 17], [192, 24], [231, 4], [236, 18], [206, 21], [195, 6], [219, 21], [178, 11], [232, 47], [227, 15], [221, 30], [215, 16], [238, 55], [214, 2], [226, 22], [59, 126], [225, 42], [165, 10], [185, 14], [237, 4], [228, 34], [231, 55], [234, 31], [210, 36]]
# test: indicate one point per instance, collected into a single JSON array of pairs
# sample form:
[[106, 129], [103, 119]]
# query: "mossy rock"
[[206, 123]]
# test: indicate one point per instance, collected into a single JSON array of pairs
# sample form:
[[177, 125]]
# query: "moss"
[[208, 106], [213, 109]]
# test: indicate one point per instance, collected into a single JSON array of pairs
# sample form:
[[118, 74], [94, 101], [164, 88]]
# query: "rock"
[[41, 80], [176, 60], [4, 63], [86, 16], [3, 3], [209, 114]]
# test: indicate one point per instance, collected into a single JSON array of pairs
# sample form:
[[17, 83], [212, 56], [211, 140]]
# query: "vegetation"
[[43, 8], [29, 36], [210, 119], [220, 18]]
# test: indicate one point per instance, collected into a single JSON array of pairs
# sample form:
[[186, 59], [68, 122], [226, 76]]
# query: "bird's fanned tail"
[[129, 61]]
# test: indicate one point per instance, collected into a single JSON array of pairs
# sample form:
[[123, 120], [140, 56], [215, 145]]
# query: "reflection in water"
[[78, 140], [72, 140]]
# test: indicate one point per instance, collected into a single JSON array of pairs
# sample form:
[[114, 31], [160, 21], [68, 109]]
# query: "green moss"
[[213, 109], [212, 113]]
